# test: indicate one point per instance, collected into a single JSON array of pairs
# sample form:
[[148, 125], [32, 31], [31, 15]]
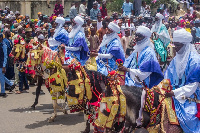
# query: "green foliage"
[[157, 4], [115, 5]]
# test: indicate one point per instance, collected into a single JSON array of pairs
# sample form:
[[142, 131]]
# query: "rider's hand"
[[123, 68], [93, 54], [169, 94], [3, 70]]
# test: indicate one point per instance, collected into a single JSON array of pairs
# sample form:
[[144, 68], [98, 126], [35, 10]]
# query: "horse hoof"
[[32, 107], [51, 120], [86, 131], [65, 112]]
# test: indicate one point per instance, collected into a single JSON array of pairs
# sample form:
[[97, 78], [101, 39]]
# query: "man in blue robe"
[[161, 37], [184, 74], [77, 46], [142, 63], [60, 36], [9, 66], [110, 50], [3, 62]]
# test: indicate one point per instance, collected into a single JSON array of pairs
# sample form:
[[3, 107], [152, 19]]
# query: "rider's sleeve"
[[136, 72], [73, 48], [185, 91], [105, 56]]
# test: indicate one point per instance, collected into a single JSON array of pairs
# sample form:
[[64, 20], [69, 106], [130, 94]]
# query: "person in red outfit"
[[58, 10], [103, 9]]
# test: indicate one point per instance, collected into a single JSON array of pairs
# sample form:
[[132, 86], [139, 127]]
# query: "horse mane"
[[96, 78], [133, 101]]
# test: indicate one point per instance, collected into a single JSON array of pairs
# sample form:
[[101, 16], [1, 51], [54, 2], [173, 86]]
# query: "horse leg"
[[139, 120], [87, 128], [61, 108], [52, 118], [39, 85]]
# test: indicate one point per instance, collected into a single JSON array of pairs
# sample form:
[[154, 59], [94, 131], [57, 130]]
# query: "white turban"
[[144, 31], [60, 20], [182, 36], [181, 58], [160, 16], [140, 45], [114, 27], [78, 20]]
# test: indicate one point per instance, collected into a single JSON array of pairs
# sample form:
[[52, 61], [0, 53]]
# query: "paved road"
[[16, 116]]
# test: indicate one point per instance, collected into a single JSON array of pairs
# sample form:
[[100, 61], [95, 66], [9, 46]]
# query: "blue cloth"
[[9, 68], [3, 79], [93, 13], [23, 81], [78, 41], [115, 48], [127, 8], [147, 62], [9, 44], [197, 32], [49, 33], [186, 112], [39, 22], [3, 54], [62, 37]]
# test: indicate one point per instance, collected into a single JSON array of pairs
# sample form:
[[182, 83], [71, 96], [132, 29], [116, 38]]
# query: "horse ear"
[[102, 85]]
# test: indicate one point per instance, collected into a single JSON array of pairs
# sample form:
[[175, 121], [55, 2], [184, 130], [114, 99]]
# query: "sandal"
[[18, 92]]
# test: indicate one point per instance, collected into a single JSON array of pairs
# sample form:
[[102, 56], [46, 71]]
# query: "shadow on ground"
[[70, 119], [44, 108]]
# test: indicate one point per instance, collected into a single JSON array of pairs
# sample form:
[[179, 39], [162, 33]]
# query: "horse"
[[85, 89], [35, 63], [158, 115]]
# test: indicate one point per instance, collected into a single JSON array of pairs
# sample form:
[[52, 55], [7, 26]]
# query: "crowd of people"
[[151, 48]]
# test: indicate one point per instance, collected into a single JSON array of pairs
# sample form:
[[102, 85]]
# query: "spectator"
[[125, 40], [179, 12], [89, 6], [58, 10], [83, 8], [93, 39], [102, 31], [127, 8], [145, 10], [94, 11], [103, 10], [192, 8], [9, 66], [3, 62], [99, 22], [98, 3], [137, 6], [73, 11], [188, 15], [17, 14]]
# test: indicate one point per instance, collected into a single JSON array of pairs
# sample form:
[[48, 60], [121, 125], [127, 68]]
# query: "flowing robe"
[[186, 86], [146, 61], [115, 48], [82, 54]]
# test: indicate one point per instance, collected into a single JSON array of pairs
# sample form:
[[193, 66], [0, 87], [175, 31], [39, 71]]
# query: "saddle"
[[156, 94], [115, 104], [81, 93]]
